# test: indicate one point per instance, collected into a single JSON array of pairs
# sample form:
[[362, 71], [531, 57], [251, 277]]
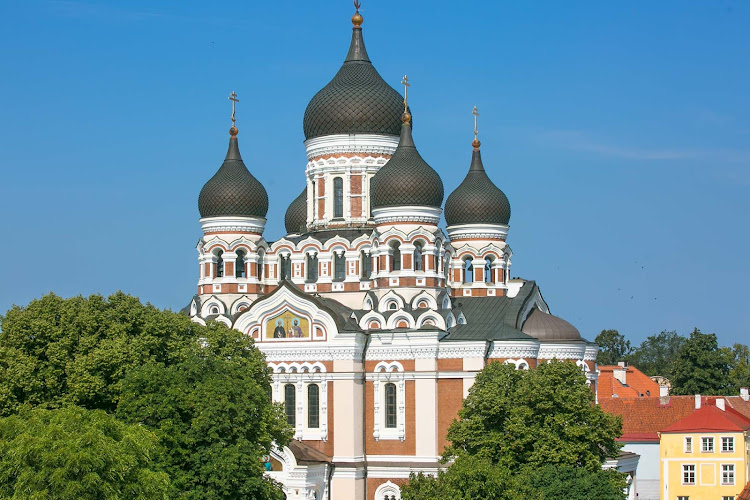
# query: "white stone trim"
[[561, 351], [388, 491], [407, 213], [477, 231], [385, 373], [527, 349], [228, 224], [370, 144]]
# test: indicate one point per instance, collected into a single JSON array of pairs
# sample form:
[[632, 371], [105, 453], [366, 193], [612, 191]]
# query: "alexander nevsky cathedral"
[[373, 319]]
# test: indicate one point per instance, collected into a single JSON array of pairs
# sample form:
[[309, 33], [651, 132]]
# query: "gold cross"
[[476, 114], [406, 84], [233, 97]]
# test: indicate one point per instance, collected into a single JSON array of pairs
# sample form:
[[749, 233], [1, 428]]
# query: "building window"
[[488, 270], [727, 444], [683, 498], [338, 197], [396, 246], [284, 268], [290, 404], [727, 498], [313, 406], [366, 265], [727, 475], [707, 445], [688, 474], [688, 445], [468, 271], [239, 265], [219, 264], [418, 257], [390, 406], [339, 267], [393, 306], [312, 268], [447, 267]]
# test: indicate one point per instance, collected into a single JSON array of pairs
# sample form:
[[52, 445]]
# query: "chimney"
[[620, 373], [697, 401], [663, 391], [720, 404], [744, 394]]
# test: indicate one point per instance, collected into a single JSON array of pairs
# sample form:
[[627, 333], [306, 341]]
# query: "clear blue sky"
[[620, 132]]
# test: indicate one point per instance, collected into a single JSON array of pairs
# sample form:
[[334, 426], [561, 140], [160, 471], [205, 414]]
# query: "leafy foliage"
[[701, 367], [73, 453], [613, 347], [739, 361], [656, 355]]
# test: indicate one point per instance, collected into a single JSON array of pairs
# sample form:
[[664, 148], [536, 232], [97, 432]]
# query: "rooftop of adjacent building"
[[624, 381]]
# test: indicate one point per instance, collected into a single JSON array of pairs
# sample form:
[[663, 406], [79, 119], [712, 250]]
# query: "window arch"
[[418, 257], [447, 266], [469, 270], [396, 257], [290, 404], [284, 267], [366, 264], [220, 264], [338, 197], [339, 266], [313, 406], [393, 305], [488, 269], [312, 267], [239, 265], [259, 266], [391, 415]]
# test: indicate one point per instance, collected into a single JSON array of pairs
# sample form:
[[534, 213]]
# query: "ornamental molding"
[[501, 349], [451, 350], [591, 351], [406, 352], [309, 353], [230, 224], [561, 351], [407, 213], [371, 144]]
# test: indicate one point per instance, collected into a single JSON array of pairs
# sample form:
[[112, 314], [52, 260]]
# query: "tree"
[[739, 374], [656, 355], [701, 367], [513, 424], [613, 347], [73, 453]]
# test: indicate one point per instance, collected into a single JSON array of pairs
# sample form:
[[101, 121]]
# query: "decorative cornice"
[[233, 224], [370, 144], [517, 349], [416, 214], [478, 231]]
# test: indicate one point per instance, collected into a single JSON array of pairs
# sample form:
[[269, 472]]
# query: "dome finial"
[[406, 117], [475, 142], [233, 97], [357, 17]]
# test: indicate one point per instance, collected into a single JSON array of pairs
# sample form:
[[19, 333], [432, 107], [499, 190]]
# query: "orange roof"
[[637, 384], [709, 418], [643, 418], [739, 405], [745, 495]]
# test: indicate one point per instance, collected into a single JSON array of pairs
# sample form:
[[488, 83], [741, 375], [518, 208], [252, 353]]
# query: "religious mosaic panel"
[[287, 325]]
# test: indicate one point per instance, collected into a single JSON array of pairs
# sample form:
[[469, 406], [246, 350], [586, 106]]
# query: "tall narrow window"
[[396, 246], [339, 266], [338, 197], [314, 201], [488, 270], [290, 404], [468, 271], [239, 264], [417, 257], [284, 266], [447, 267], [390, 406], [688, 444], [707, 445], [312, 268], [259, 267], [366, 265], [313, 406], [220, 264]]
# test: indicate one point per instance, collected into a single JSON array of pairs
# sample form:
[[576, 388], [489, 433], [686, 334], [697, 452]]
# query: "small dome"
[[406, 179], [356, 101], [233, 191], [477, 200], [544, 326], [295, 219]]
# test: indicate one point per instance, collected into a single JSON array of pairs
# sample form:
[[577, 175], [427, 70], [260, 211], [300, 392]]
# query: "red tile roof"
[[643, 418], [709, 418], [739, 405], [637, 384], [745, 495]]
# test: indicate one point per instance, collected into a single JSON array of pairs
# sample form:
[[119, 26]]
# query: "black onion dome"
[[295, 219], [477, 200], [233, 191], [356, 101], [406, 179]]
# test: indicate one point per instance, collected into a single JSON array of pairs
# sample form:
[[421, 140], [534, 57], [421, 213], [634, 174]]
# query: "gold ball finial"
[[476, 144], [406, 117], [233, 131], [357, 17]]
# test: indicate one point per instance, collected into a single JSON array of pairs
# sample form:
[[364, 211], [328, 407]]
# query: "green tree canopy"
[[513, 424], [701, 367], [77, 454], [613, 347], [657, 354], [739, 375]]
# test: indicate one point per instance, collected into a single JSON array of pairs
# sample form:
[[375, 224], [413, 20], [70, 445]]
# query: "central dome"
[[356, 101]]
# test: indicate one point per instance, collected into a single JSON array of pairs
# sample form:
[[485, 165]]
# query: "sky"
[[620, 132]]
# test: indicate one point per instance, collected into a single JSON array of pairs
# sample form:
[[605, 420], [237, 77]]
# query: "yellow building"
[[705, 455]]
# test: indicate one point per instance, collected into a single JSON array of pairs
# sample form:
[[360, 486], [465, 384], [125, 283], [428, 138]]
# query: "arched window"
[[366, 265], [390, 406], [417, 256], [338, 197], [339, 266], [468, 271], [290, 404], [313, 406], [393, 306], [447, 267], [396, 246], [284, 265], [239, 264], [488, 270], [220, 264], [312, 267], [259, 267]]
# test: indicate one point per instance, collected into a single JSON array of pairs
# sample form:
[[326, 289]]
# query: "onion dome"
[[477, 200], [357, 100], [233, 191], [295, 219], [406, 180], [544, 326]]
